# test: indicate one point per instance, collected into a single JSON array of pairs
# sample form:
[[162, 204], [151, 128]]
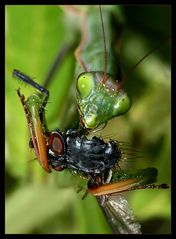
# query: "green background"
[[37, 202]]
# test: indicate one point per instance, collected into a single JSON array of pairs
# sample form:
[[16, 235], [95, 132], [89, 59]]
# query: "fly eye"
[[85, 83], [56, 143]]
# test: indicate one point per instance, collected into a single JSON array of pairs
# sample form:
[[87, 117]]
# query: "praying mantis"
[[103, 65]]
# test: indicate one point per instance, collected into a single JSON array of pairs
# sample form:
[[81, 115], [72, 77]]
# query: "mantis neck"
[[91, 48]]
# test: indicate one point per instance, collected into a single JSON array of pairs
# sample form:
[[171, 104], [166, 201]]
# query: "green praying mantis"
[[100, 95]]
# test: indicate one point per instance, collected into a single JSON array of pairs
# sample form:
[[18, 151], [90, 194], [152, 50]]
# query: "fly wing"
[[119, 214]]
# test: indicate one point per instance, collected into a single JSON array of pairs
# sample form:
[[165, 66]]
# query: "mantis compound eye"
[[85, 84]]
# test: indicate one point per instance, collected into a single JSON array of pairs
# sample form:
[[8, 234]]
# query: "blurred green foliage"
[[40, 203]]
